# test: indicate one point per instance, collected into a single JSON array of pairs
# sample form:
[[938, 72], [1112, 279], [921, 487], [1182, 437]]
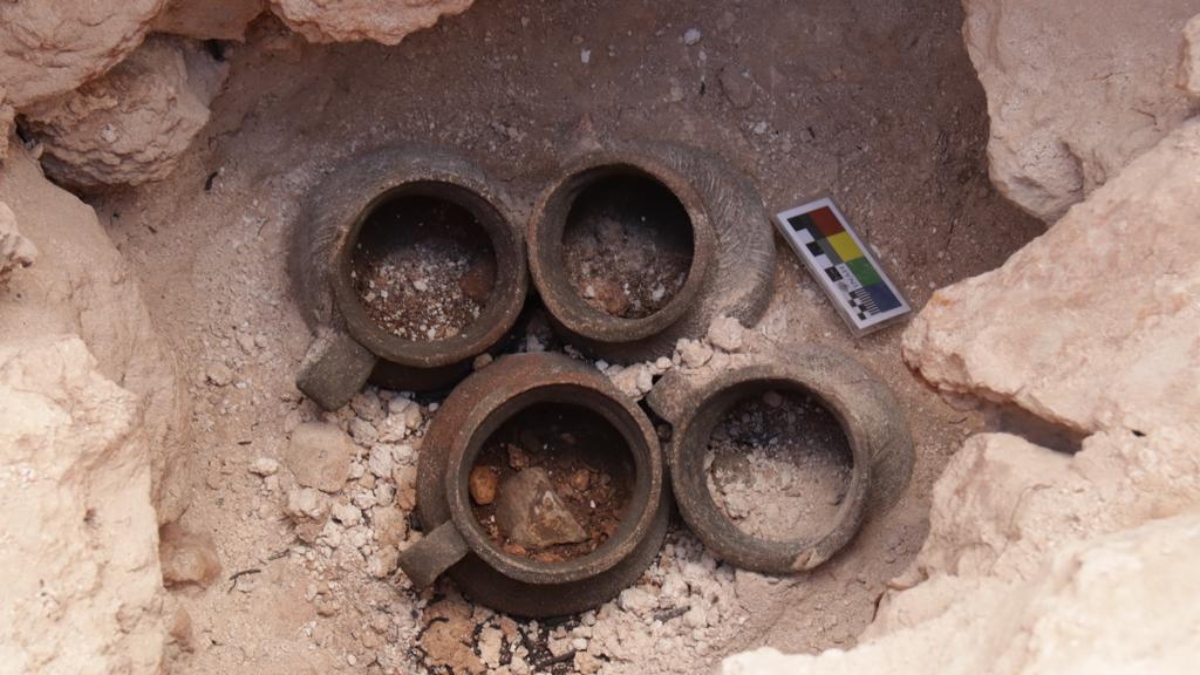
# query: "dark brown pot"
[[349, 347], [733, 251], [871, 418], [458, 545]]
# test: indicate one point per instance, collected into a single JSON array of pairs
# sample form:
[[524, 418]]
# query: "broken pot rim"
[[548, 226], [503, 305], [590, 390], [719, 533]]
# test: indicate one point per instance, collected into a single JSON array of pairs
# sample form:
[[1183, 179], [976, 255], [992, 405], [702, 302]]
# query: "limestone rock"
[[79, 564], [1095, 324], [306, 504], [16, 251], [1189, 77], [449, 641], [308, 510], [391, 525], [726, 334], [531, 515], [693, 353], [180, 633], [383, 21], [319, 456], [1112, 606], [82, 286], [637, 600], [7, 116], [132, 125], [1076, 89], [264, 466], [53, 46], [208, 19], [1038, 562], [188, 559]]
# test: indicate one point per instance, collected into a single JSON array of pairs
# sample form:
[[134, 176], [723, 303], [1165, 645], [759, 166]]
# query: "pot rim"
[[590, 390], [503, 305], [549, 223], [717, 530]]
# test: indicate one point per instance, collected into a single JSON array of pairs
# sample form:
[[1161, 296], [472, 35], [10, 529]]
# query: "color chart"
[[860, 289]]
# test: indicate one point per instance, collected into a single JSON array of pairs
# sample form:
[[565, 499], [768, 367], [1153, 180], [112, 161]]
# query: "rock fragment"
[[726, 334], [383, 21], [483, 482], [531, 515], [319, 456], [16, 251], [264, 466], [132, 125], [188, 559]]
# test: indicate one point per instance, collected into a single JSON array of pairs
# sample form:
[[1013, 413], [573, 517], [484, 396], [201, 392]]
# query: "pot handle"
[[335, 368], [424, 561]]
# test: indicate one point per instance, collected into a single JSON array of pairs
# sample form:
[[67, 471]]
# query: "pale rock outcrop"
[[1114, 605], [1041, 562], [81, 285], [7, 116], [1075, 89], [79, 560], [1004, 506], [1094, 325], [132, 125], [208, 19], [53, 46], [50, 47], [16, 251], [1189, 79], [385, 21]]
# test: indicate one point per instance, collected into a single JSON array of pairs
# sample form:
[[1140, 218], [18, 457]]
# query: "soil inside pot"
[[779, 466], [423, 268], [627, 245], [588, 463]]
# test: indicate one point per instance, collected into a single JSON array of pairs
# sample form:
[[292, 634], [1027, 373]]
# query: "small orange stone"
[[580, 480], [483, 482]]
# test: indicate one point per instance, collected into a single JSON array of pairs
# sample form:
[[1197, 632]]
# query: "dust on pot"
[[541, 487], [410, 266], [776, 464]]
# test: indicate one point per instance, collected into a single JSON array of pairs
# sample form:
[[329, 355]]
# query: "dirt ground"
[[872, 102]]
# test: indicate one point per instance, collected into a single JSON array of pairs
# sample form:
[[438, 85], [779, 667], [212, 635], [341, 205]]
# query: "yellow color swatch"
[[845, 247]]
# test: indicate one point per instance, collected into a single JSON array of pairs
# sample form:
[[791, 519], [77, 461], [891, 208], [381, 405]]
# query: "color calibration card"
[[860, 289]]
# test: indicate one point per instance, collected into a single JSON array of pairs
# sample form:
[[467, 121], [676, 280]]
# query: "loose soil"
[[588, 463], [628, 246], [423, 268], [779, 466]]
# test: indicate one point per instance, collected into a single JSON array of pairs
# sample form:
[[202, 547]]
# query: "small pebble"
[[264, 466], [482, 482]]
